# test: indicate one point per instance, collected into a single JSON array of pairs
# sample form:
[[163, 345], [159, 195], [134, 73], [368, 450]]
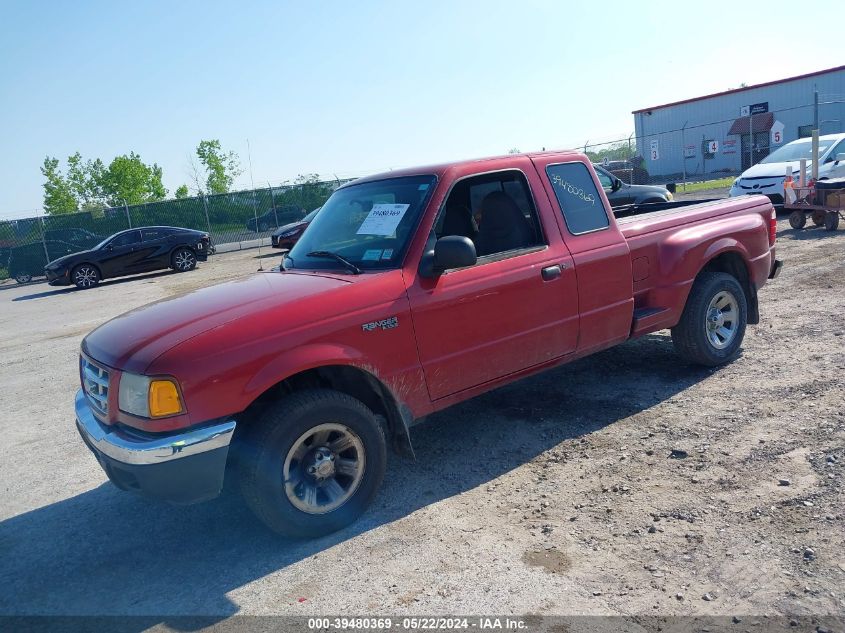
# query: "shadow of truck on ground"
[[109, 552]]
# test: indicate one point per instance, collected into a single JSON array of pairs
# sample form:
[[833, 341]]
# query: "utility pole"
[[683, 152], [815, 109]]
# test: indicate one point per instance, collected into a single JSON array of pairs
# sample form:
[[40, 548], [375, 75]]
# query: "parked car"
[[130, 252], [627, 171], [27, 262], [81, 237], [767, 176], [395, 304], [620, 193], [287, 235], [275, 218]]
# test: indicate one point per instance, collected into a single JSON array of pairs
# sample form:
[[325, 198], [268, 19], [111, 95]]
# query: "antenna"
[[254, 205]]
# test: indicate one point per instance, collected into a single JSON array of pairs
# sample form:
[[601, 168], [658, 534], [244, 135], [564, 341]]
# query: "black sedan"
[[620, 193], [130, 252]]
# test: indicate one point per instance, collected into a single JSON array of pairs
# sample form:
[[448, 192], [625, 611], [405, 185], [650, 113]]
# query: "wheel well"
[[92, 264], [733, 264], [352, 381]]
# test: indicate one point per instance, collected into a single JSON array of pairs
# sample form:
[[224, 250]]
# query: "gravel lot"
[[555, 495]]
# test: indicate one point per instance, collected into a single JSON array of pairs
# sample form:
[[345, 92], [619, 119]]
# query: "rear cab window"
[[579, 199]]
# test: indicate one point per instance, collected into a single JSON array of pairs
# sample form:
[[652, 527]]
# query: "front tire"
[[713, 323], [312, 463], [85, 276], [183, 260]]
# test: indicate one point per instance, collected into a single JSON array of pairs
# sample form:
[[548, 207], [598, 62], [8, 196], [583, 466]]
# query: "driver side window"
[[495, 211], [130, 237], [605, 180]]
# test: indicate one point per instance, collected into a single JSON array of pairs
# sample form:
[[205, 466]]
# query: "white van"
[[767, 176]]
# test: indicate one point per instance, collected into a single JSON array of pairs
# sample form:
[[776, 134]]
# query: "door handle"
[[551, 272]]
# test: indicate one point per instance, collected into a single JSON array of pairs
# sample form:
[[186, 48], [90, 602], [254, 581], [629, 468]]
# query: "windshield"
[[369, 224], [796, 150]]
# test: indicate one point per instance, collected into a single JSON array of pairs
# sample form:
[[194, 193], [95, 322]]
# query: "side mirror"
[[452, 251], [840, 157], [617, 184]]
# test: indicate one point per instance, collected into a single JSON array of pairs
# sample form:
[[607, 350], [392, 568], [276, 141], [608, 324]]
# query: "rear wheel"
[[819, 217], [85, 276], [312, 463], [831, 221], [183, 260], [712, 325], [797, 219], [23, 278]]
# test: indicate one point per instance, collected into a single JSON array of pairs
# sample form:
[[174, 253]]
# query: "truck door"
[[600, 251], [517, 307]]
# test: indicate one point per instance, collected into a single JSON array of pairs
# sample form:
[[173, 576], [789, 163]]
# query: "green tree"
[[221, 168], [86, 179], [181, 191], [615, 151], [128, 179], [58, 192]]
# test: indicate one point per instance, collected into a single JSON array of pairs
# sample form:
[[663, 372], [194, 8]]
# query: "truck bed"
[[664, 238]]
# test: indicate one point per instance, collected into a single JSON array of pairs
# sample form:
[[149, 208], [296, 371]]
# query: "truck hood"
[[132, 341]]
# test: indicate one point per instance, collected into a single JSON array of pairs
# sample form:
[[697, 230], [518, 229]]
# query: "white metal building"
[[709, 135]]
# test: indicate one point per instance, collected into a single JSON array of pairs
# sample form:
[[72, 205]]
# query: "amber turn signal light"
[[164, 399]]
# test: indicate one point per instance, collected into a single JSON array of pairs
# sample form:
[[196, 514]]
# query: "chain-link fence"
[[234, 220]]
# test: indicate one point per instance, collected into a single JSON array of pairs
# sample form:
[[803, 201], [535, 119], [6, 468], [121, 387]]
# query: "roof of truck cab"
[[441, 168]]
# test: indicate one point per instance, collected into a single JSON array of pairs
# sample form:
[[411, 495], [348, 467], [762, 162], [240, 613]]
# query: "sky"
[[350, 88]]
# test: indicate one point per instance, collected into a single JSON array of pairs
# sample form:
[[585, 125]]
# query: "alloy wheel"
[[323, 468], [722, 321]]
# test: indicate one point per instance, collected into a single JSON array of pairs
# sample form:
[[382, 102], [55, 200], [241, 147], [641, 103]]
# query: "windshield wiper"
[[338, 258]]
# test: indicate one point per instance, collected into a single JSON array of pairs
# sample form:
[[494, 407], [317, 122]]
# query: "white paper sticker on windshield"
[[372, 255], [383, 219]]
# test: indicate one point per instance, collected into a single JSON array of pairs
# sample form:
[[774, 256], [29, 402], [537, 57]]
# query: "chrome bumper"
[[141, 449]]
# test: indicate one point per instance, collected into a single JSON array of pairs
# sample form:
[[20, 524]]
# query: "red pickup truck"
[[409, 292]]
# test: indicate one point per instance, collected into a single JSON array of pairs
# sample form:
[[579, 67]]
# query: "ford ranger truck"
[[409, 292]]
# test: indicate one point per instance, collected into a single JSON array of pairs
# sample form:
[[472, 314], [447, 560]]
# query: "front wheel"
[[183, 260], [312, 463], [85, 276], [831, 220], [712, 325]]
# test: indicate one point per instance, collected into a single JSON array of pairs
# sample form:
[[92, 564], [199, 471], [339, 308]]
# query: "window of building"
[[495, 211], [578, 198], [805, 131]]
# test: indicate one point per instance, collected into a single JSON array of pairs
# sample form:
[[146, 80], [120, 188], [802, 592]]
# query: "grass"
[[721, 183]]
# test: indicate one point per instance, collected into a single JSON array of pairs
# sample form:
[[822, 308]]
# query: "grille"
[[95, 382]]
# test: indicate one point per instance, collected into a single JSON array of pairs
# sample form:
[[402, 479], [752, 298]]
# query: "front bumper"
[[180, 468], [59, 277]]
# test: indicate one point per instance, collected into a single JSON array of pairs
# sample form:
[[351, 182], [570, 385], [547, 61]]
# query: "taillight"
[[773, 228]]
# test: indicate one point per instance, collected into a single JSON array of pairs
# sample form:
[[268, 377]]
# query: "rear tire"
[[819, 218], [183, 260], [23, 278], [85, 276], [797, 219], [713, 323], [295, 473], [831, 221]]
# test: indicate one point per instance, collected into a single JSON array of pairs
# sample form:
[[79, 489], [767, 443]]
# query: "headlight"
[[736, 183], [669, 196], [148, 397]]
